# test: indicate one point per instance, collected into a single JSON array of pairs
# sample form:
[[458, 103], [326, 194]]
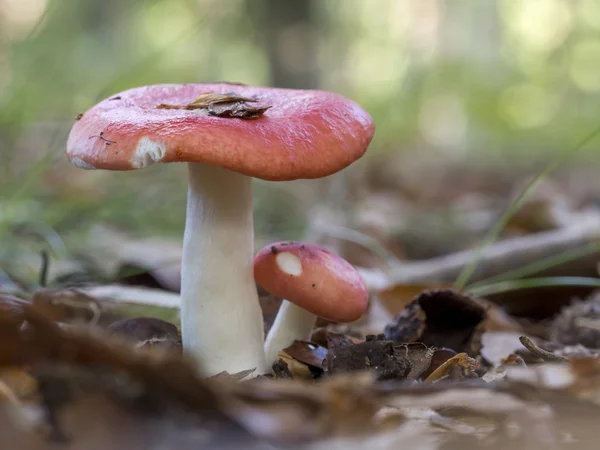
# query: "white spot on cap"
[[289, 263], [78, 162], [147, 153]]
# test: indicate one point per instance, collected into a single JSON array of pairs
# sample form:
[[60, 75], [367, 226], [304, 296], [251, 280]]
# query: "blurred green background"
[[474, 83]]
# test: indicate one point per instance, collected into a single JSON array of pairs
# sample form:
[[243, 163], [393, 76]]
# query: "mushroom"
[[226, 138], [313, 282]]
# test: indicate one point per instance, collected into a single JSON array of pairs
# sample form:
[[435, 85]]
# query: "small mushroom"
[[313, 282], [285, 135]]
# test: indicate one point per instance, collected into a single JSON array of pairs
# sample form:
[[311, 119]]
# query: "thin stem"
[[528, 283], [516, 204]]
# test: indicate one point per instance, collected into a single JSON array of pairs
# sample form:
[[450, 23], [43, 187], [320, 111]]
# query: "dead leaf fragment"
[[231, 377], [222, 105], [236, 109], [462, 361], [419, 356], [307, 353]]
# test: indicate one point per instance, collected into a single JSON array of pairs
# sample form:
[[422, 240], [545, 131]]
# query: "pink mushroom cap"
[[304, 133], [313, 279]]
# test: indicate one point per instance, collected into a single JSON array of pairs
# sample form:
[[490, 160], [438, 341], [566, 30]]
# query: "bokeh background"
[[470, 97]]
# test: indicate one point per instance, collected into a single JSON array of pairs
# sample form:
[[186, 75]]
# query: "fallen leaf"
[[440, 318], [439, 357], [307, 353], [419, 356], [462, 361], [231, 377], [236, 109], [222, 105], [296, 368]]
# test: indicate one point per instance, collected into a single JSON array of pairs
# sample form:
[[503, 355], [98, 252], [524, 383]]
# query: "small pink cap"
[[303, 134], [312, 278]]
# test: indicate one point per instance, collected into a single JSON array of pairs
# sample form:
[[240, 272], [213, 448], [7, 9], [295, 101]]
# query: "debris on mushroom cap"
[[292, 134], [312, 278]]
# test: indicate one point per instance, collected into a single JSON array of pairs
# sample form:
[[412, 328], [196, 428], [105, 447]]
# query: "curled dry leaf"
[[222, 105], [236, 109], [461, 364], [307, 353], [298, 370], [440, 318]]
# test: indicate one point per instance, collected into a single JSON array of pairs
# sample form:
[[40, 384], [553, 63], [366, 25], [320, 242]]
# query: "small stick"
[[539, 352], [503, 256]]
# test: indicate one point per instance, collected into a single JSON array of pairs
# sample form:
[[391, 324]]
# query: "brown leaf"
[[460, 361], [236, 110], [27, 337], [307, 353], [223, 105], [231, 377], [212, 98], [440, 318], [298, 369], [419, 356]]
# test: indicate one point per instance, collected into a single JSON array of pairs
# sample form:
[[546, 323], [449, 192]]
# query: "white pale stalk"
[[221, 319], [292, 323]]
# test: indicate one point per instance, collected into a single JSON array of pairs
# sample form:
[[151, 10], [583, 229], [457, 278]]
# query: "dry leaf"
[[223, 105], [297, 369], [307, 353], [461, 361], [231, 377], [419, 356], [396, 298], [236, 109]]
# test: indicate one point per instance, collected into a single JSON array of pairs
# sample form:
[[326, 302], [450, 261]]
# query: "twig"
[[503, 256], [539, 352]]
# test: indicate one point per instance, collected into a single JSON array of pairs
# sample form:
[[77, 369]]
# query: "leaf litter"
[[445, 369]]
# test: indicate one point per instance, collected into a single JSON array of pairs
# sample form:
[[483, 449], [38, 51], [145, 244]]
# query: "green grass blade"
[[492, 235], [539, 266], [514, 285]]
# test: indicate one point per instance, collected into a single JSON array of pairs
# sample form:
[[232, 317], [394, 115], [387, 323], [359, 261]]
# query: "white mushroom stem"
[[292, 323], [221, 319]]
